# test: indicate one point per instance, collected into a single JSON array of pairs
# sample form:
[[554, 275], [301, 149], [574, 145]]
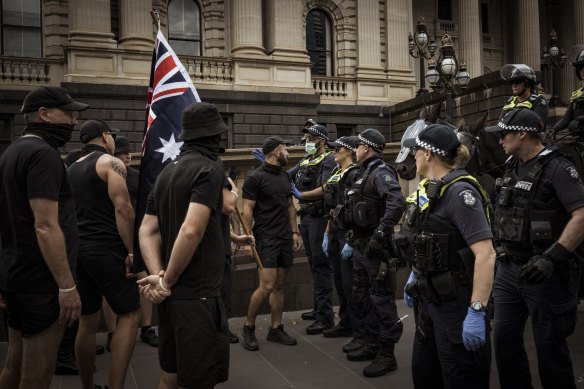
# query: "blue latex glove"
[[295, 192], [258, 154], [407, 298], [325, 243], [474, 333], [346, 252]]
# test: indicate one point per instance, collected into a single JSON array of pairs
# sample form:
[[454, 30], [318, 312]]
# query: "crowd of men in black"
[[67, 241]]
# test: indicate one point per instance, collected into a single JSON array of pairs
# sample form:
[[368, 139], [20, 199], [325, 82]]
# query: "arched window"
[[184, 27], [319, 42], [21, 28]]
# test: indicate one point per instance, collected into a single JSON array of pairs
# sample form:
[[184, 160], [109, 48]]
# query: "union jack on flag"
[[170, 91]]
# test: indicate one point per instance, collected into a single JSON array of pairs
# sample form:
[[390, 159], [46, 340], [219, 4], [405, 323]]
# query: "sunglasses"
[[503, 134], [516, 82]]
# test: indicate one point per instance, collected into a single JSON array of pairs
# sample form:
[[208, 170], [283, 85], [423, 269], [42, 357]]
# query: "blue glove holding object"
[[407, 298], [295, 192], [258, 154], [346, 252], [325, 243], [474, 333]]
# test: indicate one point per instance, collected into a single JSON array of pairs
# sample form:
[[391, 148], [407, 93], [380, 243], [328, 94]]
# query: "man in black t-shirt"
[[182, 246], [267, 201], [38, 230]]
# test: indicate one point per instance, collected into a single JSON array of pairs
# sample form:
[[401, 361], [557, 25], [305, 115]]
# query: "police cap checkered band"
[[428, 146], [348, 142], [368, 142], [438, 138], [318, 130], [372, 137], [518, 119]]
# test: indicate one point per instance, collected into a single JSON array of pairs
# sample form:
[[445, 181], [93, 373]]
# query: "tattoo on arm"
[[115, 165]]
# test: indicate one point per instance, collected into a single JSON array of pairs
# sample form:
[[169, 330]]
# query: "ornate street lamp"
[[421, 45], [553, 58], [447, 75]]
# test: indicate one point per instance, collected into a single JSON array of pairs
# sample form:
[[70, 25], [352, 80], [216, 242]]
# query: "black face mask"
[[57, 135]]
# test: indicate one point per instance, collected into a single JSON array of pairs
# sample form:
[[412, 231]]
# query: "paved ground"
[[316, 362]]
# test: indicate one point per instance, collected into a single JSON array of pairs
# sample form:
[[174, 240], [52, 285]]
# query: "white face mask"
[[310, 148]]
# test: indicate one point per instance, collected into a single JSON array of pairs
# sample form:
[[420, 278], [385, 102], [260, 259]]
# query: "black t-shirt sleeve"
[[151, 205], [568, 186], [45, 175], [465, 210], [206, 187], [251, 188]]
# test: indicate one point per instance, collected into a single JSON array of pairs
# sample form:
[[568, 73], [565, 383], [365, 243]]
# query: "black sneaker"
[[317, 327], [232, 337], [149, 336], [280, 336], [310, 315], [249, 339], [337, 331]]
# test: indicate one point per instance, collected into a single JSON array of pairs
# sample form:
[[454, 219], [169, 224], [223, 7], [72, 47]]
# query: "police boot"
[[365, 353], [384, 361]]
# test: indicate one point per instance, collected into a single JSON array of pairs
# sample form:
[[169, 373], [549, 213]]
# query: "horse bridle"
[[476, 148]]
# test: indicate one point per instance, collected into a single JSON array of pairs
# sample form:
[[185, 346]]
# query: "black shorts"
[[193, 341], [32, 313], [275, 252], [103, 273]]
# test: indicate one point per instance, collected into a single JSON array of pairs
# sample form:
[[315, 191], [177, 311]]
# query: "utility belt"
[[504, 256], [431, 253], [315, 208], [438, 287]]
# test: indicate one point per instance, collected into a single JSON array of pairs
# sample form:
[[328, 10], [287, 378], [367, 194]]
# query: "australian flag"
[[170, 91]]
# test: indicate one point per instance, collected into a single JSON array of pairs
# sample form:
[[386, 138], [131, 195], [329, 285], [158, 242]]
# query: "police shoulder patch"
[[573, 172], [468, 198], [387, 178]]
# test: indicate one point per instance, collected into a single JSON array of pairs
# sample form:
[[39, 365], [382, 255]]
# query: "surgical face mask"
[[310, 148]]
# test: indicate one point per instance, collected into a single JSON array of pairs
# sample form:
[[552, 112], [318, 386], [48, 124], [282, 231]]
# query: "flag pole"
[[246, 232], [155, 14]]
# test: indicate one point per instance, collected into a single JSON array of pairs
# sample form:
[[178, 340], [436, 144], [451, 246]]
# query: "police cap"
[[518, 119], [348, 142], [440, 139], [317, 130], [372, 138]]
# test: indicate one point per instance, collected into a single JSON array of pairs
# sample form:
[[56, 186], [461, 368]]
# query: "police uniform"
[[532, 210], [374, 205], [442, 219], [535, 102], [337, 185], [310, 173], [575, 110]]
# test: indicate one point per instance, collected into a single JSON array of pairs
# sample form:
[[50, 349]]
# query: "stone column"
[[246, 27], [369, 37], [470, 37], [399, 23], [136, 24], [284, 25], [578, 22], [527, 43], [90, 23]]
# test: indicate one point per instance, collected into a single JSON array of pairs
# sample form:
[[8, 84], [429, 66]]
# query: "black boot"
[[384, 361], [365, 353], [66, 364], [354, 344], [250, 341]]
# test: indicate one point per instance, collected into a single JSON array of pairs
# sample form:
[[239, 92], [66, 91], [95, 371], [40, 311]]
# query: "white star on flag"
[[170, 148]]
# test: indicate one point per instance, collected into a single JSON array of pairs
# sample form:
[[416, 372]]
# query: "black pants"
[[343, 273], [226, 286], [375, 300], [439, 358], [552, 308], [312, 230]]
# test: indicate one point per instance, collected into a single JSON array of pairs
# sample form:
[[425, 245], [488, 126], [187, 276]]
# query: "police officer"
[[538, 221], [312, 172], [447, 239], [523, 83], [574, 116], [374, 205], [333, 193]]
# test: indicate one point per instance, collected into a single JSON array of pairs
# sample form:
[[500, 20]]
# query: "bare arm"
[[230, 198], [484, 270], [52, 245], [248, 206], [151, 244], [294, 225], [189, 237], [573, 233]]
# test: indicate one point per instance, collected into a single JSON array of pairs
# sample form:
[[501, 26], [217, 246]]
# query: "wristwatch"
[[477, 306]]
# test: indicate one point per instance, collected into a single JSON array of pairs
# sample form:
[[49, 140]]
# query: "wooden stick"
[[246, 232]]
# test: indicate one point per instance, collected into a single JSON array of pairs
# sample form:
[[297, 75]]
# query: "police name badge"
[[468, 198], [573, 172]]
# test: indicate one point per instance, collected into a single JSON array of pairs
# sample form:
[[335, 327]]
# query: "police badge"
[[573, 172], [468, 198]]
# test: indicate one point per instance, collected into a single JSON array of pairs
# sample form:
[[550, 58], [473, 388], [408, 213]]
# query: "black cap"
[[200, 120], [438, 138], [518, 119], [348, 142], [272, 142], [371, 137], [122, 145], [309, 123], [72, 156], [317, 130], [92, 129], [51, 97]]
